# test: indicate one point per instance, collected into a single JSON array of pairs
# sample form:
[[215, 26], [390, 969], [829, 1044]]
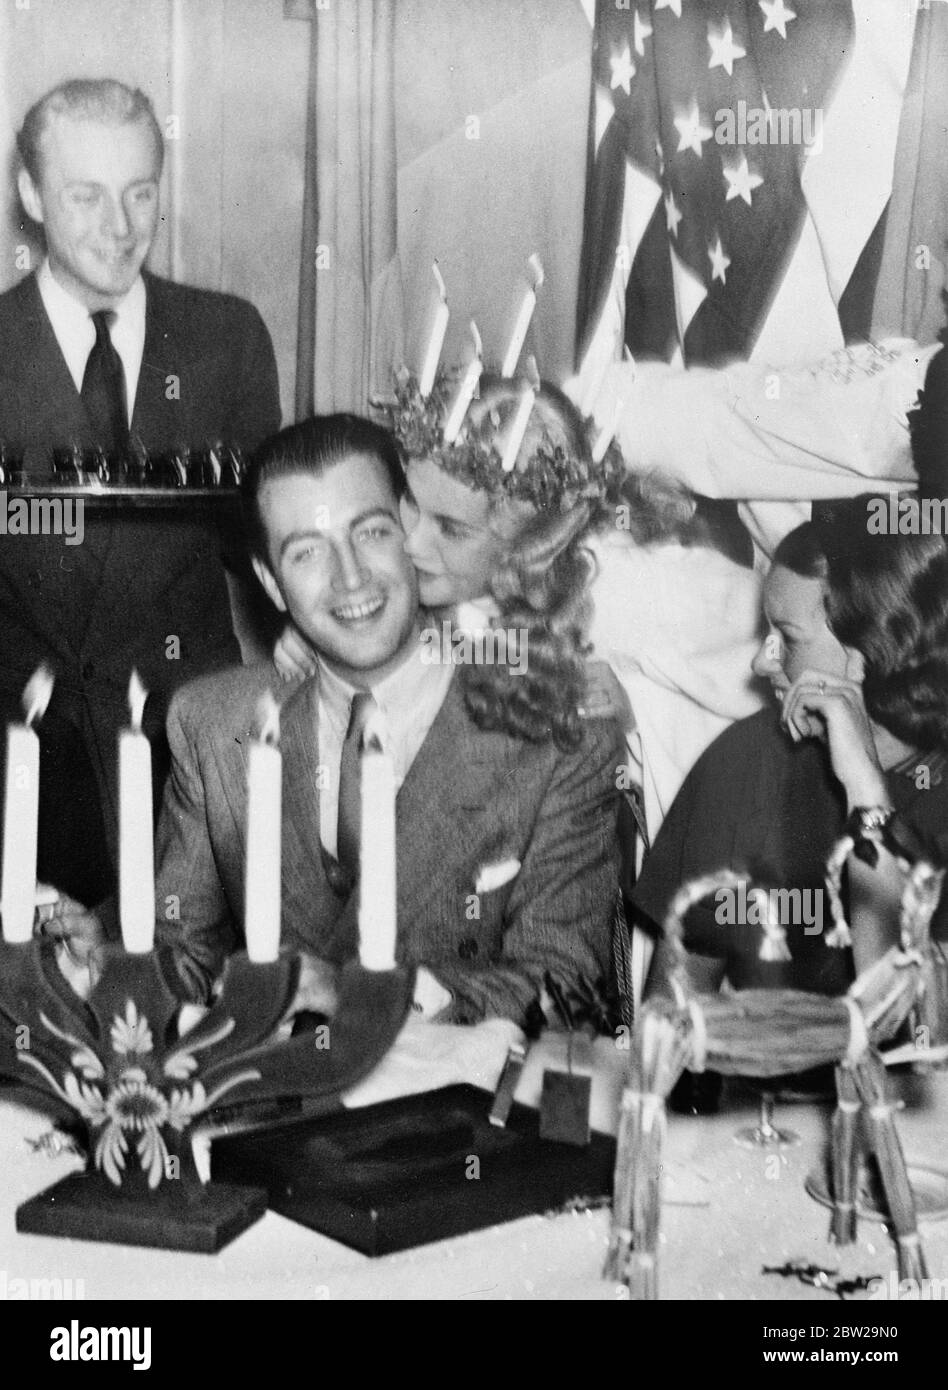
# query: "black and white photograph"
[[474, 663]]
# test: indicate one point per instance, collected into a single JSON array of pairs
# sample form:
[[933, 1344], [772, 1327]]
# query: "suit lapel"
[[457, 774], [310, 906], [57, 399], [53, 397], [160, 358]]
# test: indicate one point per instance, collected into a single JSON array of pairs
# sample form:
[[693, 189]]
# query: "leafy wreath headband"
[[429, 417]]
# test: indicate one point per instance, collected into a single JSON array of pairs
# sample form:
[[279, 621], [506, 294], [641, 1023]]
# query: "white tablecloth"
[[726, 1213]]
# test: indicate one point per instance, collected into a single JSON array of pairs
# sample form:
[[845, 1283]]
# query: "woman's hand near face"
[[821, 705], [293, 657]]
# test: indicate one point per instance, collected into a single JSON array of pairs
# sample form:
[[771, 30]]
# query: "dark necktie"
[[103, 388], [350, 779]]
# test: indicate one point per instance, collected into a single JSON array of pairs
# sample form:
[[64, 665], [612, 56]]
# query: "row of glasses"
[[216, 465]]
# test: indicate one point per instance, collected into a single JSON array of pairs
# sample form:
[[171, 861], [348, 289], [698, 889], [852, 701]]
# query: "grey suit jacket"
[[470, 800]]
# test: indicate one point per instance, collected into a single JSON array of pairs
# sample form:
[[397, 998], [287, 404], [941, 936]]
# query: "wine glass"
[[765, 1134]]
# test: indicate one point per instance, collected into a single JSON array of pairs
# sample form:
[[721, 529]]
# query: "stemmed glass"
[[765, 1134]]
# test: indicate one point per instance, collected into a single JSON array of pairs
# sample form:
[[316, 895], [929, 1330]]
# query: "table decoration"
[[134, 1068], [769, 1033], [929, 1192], [136, 828], [21, 812], [377, 915], [137, 1087], [264, 821]]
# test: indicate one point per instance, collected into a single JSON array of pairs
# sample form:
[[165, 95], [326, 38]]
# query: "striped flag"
[[742, 156]]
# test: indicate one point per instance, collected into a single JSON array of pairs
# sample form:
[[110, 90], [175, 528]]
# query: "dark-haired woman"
[[857, 656]]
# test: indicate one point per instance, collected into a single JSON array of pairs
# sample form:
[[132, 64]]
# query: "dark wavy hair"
[[887, 597], [311, 447], [543, 585]]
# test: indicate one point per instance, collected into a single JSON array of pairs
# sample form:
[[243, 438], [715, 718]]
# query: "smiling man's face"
[[337, 565], [97, 198]]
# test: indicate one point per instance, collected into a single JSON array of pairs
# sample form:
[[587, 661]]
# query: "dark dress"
[[757, 802]]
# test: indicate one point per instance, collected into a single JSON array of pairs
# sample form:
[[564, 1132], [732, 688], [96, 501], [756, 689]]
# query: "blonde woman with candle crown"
[[571, 557]]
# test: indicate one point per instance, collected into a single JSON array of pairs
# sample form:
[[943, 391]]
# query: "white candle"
[[264, 824], [436, 341], [469, 384], [21, 813], [136, 829], [517, 430], [607, 433], [377, 908], [529, 303]]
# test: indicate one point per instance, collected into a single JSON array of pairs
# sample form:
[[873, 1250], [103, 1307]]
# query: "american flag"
[[742, 164]]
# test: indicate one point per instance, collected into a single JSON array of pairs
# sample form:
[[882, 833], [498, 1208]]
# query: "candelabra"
[[137, 1080]]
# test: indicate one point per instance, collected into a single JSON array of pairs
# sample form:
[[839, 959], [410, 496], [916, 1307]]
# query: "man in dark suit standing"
[[96, 351]]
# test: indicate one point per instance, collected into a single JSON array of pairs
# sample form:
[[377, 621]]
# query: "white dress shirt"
[[75, 331], [408, 700]]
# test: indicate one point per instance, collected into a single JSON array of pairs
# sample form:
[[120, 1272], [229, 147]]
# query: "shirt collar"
[[398, 695], [66, 312]]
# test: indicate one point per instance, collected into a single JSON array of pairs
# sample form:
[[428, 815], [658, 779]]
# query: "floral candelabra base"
[[137, 1083]]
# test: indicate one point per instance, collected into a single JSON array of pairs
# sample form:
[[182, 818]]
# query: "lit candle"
[[469, 384], [517, 430], [136, 829], [377, 910], [436, 341], [264, 824], [607, 433], [21, 812], [512, 356]]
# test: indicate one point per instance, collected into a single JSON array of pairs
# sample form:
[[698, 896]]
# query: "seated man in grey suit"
[[506, 863]]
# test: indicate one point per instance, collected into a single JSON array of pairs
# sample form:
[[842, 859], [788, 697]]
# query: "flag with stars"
[[741, 165]]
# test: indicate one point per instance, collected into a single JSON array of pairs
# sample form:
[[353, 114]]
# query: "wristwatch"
[[865, 819], [867, 826]]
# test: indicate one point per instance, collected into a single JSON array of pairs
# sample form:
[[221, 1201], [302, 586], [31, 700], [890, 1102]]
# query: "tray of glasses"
[[180, 478]]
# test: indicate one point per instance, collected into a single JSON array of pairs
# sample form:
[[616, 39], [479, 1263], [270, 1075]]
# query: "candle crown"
[[137, 695], [607, 433], [536, 265], [549, 476], [268, 720], [518, 429], [37, 694]]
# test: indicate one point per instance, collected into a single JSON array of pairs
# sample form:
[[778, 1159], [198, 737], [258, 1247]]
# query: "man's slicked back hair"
[[86, 99], [311, 448]]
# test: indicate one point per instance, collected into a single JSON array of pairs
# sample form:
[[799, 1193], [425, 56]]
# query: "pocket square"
[[493, 876]]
